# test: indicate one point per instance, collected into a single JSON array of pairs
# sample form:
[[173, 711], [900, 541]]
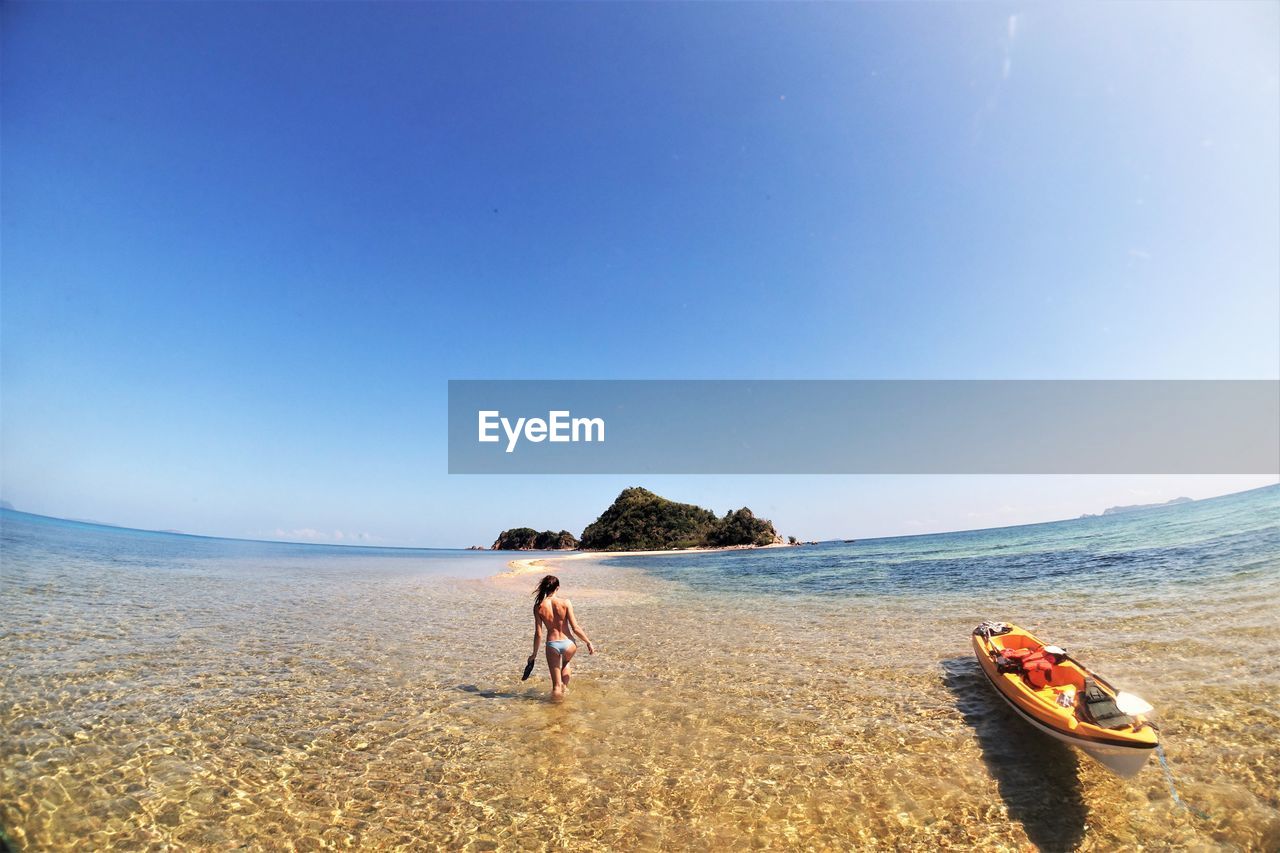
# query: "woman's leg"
[[565, 675], [553, 664]]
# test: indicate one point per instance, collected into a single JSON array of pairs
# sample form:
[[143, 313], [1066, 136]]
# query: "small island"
[[528, 539], [639, 520]]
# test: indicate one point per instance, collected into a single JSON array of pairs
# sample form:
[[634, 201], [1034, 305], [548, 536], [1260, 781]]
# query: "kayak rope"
[[1168, 777]]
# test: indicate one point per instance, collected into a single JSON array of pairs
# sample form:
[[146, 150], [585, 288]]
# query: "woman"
[[557, 615]]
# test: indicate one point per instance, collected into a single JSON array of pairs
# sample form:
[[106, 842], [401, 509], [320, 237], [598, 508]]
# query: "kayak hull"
[[1124, 752]]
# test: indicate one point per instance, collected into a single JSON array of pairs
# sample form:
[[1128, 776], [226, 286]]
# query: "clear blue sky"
[[245, 245]]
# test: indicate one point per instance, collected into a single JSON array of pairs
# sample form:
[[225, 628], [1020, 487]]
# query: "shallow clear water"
[[165, 690]]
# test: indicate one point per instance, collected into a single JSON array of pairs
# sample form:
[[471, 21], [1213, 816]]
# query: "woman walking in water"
[[556, 614]]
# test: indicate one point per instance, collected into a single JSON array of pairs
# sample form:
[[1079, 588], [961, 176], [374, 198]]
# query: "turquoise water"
[[166, 691], [1220, 538], [1216, 540], [37, 542]]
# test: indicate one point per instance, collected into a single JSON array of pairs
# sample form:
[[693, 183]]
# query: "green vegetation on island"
[[639, 520], [528, 539]]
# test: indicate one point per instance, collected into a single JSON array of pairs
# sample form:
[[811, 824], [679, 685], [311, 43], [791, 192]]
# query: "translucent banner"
[[864, 427]]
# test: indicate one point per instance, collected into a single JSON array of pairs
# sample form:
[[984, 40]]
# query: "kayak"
[[1060, 697]]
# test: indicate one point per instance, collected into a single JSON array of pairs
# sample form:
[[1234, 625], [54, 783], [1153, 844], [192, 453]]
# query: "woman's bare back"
[[555, 614]]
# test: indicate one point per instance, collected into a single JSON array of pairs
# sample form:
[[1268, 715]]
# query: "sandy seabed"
[[299, 710]]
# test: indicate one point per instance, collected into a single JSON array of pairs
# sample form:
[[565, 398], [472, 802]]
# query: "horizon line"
[[1082, 517]]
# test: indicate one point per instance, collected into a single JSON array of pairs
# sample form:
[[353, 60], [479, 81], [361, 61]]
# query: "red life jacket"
[[1038, 670], [1035, 664]]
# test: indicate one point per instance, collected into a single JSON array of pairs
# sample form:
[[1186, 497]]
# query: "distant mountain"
[[639, 520], [1120, 510], [5, 505]]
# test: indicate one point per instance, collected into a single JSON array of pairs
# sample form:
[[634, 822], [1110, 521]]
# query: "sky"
[[245, 245]]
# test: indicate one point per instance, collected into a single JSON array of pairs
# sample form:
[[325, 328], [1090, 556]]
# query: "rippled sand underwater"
[[291, 709]]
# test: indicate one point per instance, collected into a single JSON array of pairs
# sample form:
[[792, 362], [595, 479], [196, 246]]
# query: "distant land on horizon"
[[1120, 510]]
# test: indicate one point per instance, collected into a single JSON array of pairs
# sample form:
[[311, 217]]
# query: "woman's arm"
[[537, 636], [577, 629]]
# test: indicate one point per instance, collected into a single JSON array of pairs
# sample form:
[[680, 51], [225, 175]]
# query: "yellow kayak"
[[1063, 699]]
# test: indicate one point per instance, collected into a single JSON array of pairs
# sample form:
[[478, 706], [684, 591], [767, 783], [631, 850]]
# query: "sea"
[[162, 691]]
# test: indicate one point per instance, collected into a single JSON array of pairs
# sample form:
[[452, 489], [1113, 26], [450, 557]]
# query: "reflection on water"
[[368, 700]]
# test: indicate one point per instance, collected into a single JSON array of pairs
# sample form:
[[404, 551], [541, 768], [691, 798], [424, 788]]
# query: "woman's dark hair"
[[548, 585]]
